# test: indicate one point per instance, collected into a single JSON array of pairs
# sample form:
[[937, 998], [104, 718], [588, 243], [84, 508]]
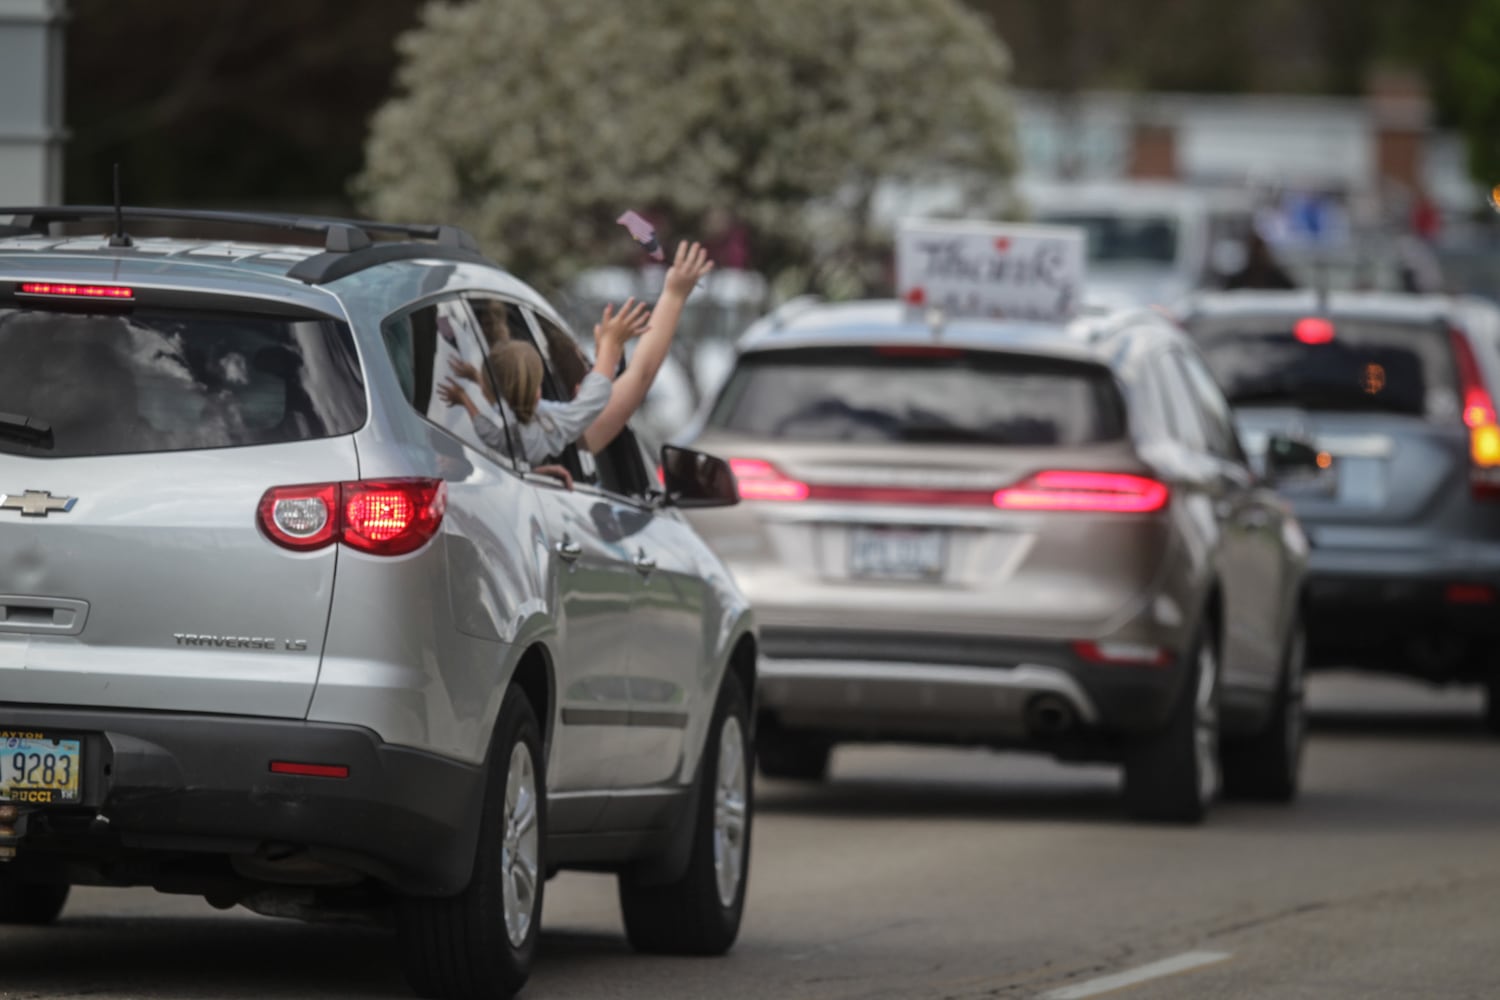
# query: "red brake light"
[[393, 517], [1313, 330], [761, 480], [917, 351], [1469, 593], [1480, 418], [76, 291], [1099, 492], [388, 517], [310, 770]]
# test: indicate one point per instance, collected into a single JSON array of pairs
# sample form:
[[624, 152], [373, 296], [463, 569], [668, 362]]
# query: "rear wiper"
[[928, 432], [27, 430]]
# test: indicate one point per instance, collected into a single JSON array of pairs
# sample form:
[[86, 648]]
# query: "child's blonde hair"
[[517, 367]]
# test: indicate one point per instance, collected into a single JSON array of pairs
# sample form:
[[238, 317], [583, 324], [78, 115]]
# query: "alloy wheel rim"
[[730, 813], [1206, 725], [519, 851]]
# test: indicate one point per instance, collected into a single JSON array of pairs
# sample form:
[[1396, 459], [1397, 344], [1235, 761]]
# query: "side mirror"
[[1290, 458], [693, 479]]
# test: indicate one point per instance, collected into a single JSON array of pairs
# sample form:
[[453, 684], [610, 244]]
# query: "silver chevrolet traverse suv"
[[278, 628]]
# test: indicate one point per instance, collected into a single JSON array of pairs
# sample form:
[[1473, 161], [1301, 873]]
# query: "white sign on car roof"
[[991, 270]]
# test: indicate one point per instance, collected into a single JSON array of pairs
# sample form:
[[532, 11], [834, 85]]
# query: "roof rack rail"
[[347, 243]]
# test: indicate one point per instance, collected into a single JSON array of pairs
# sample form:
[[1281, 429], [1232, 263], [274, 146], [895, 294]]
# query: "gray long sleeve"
[[555, 425]]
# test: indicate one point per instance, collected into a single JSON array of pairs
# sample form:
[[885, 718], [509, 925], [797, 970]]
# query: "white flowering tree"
[[534, 123]]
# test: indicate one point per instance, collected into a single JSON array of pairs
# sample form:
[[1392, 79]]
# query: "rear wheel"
[[792, 756], [1173, 775], [479, 944], [1265, 766], [699, 914], [1492, 702], [30, 902]]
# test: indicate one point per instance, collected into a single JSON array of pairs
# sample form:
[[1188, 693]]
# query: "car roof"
[[804, 324], [1393, 306], [252, 269]]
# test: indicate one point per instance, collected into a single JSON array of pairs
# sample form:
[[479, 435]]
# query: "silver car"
[[1015, 535], [278, 628]]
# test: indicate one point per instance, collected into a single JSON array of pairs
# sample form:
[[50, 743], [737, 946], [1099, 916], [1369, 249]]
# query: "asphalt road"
[[967, 875]]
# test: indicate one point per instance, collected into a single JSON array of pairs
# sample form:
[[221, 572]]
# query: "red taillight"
[[1128, 654], [1469, 593], [76, 291], [310, 770], [763, 481], [917, 351], [1480, 419], [301, 517], [1099, 492], [387, 517], [1313, 330]]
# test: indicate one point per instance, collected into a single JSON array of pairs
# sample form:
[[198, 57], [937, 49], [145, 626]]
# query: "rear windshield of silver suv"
[[157, 380], [936, 395]]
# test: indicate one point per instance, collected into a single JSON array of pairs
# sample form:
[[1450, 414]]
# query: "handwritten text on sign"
[[991, 270]]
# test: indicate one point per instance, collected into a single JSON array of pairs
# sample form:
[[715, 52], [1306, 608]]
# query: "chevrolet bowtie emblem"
[[37, 503]]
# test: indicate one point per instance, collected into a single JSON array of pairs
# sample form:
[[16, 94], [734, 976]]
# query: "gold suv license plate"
[[897, 554], [38, 769]]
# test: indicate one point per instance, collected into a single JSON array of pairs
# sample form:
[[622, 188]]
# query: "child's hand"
[[627, 324], [556, 472], [464, 369], [687, 269], [453, 394]]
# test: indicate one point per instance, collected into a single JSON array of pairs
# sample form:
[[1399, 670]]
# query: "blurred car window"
[[1184, 421], [937, 395], [1368, 365], [1213, 408], [1123, 239], [167, 380], [423, 344]]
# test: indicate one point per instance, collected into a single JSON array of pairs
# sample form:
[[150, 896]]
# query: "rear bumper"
[[158, 785], [1399, 610], [1033, 699]]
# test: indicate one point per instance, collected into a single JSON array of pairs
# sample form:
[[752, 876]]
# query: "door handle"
[[644, 563], [568, 549]]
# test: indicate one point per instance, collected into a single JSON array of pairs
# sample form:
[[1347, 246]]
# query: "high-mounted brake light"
[[60, 290], [309, 770], [385, 517], [1097, 492], [1479, 416], [1313, 330]]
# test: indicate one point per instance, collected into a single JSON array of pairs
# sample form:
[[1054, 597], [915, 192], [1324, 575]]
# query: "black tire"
[[32, 903], [458, 947], [1492, 703], [1172, 776], [1265, 767], [792, 756], [689, 916]]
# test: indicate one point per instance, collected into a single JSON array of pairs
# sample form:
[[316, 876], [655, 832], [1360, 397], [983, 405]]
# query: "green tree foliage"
[[536, 122], [1470, 87]]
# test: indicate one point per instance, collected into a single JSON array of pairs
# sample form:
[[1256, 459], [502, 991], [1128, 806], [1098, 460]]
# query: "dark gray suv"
[[1376, 416]]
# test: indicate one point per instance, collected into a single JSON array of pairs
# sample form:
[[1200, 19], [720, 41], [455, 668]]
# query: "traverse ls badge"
[[37, 503]]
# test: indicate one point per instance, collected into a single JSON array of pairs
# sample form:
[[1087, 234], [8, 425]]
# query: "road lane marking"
[[1186, 962]]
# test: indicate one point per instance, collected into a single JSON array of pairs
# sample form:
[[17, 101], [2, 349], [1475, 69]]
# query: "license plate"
[[897, 554], [40, 770]]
